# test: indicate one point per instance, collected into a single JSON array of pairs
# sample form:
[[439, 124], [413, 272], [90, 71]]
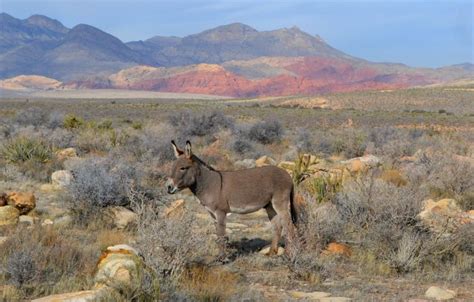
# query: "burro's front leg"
[[220, 231]]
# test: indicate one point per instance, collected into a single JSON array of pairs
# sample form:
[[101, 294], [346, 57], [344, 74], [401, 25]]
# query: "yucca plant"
[[25, 149]]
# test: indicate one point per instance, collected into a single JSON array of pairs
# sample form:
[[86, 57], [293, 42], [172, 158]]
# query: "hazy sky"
[[416, 32]]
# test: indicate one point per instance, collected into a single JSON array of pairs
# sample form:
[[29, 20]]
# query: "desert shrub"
[[24, 149], [34, 259], [304, 141], [393, 142], [20, 268], [95, 139], [382, 218], [188, 123], [154, 143], [168, 245], [105, 125], [242, 146], [449, 177], [99, 182], [72, 122], [32, 116], [347, 142], [266, 132]]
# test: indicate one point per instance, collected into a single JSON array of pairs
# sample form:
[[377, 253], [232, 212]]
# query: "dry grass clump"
[[209, 284], [43, 261]]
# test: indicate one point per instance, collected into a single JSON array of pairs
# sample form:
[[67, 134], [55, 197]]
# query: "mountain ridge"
[[233, 59]]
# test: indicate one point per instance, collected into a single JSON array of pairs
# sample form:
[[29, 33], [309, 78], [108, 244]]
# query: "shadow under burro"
[[238, 248]]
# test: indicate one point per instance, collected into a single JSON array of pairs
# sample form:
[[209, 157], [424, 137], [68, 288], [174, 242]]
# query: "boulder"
[[121, 217], [335, 248], [120, 268], [61, 178], [439, 294], [266, 250], [174, 209], [394, 176], [47, 222], [28, 220], [265, 161], [444, 216], [23, 201], [244, 164], [100, 294], [362, 164], [67, 153], [308, 295], [3, 239], [287, 165], [9, 215]]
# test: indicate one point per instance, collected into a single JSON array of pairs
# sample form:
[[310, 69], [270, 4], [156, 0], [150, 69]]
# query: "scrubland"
[[368, 232]]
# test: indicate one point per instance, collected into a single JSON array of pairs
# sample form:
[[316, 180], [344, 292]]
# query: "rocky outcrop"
[[66, 153], [265, 161], [120, 274], [439, 294], [121, 268], [339, 249], [9, 215], [101, 294], [174, 209], [444, 216], [120, 217], [23, 201]]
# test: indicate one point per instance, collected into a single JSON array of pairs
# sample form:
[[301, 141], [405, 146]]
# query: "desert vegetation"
[[385, 197]]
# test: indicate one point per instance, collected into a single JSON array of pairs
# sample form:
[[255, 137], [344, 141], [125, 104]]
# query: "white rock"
[[27, 219], [439, 294], [266, 249], [100, 294], [311, 295], [121, 217], [61, 178], [47, 222], [245, 164]]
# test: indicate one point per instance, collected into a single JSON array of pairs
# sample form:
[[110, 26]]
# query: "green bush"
[[72, 122], [25, 149]]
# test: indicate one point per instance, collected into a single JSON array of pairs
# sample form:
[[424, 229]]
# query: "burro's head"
[[184, 170]]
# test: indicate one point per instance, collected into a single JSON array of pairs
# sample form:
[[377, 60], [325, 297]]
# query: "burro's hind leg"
[[220, 231], [281, 204], [275, 220]]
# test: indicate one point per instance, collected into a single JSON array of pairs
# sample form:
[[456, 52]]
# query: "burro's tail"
[[293, 210]]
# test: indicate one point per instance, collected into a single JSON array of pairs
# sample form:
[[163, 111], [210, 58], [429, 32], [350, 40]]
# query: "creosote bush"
[[98, 183], [188, 123], [169, 245], [266, 132]]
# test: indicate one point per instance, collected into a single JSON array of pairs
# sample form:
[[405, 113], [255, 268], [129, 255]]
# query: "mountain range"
[[232, 60]]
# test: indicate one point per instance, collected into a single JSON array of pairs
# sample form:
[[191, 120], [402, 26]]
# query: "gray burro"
[[120, 273], [243, 191]]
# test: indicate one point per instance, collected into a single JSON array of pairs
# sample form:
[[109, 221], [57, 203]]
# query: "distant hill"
[[234, 60], [233, 42]]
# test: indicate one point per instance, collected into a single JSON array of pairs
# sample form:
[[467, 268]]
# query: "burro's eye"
[[183, 168]]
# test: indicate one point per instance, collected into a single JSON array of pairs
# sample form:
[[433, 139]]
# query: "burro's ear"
[[176, 150], [187, 150]]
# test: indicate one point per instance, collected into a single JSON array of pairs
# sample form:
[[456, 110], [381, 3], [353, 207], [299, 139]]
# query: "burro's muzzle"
[[170, 186]]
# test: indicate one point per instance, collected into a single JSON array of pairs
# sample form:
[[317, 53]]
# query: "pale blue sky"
[[417, 32]]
